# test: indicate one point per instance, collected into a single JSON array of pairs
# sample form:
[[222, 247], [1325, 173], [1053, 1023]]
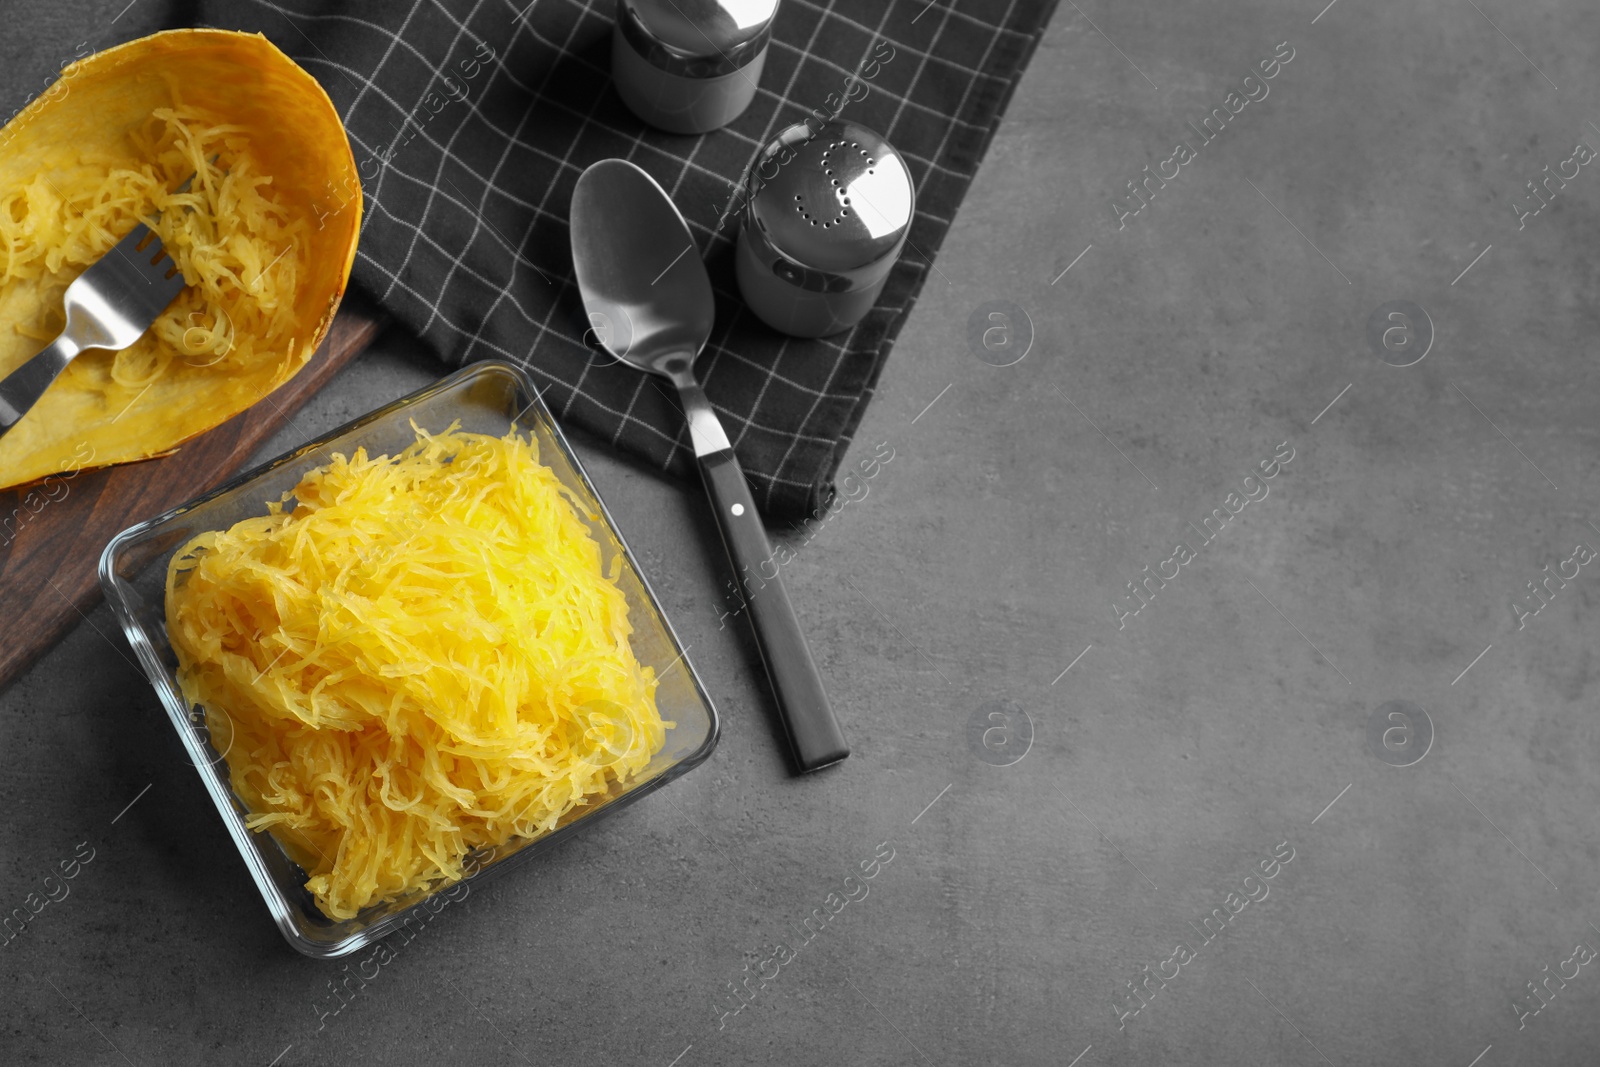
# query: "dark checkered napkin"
[[472, 119]]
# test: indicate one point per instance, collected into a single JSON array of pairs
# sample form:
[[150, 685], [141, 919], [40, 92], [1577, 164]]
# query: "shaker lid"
[[837, 201], [697, 38]]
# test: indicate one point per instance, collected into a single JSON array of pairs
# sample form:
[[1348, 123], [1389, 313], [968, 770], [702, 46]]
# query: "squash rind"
[[292, 133]]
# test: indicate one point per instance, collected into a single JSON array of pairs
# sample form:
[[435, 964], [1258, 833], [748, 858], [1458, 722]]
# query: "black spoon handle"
[[814, 732]]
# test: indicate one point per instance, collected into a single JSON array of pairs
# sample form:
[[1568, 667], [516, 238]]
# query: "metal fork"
[[109, 306]]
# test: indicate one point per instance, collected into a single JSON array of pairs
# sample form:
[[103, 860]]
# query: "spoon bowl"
[[629, 227]]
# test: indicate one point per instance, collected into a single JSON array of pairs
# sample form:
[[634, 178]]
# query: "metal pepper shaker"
[[828, 213], [690, 66]]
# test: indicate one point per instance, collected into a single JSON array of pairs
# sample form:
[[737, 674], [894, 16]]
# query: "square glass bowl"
[[491, 398]]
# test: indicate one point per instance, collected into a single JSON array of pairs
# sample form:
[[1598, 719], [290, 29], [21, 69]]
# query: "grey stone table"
[[1195, 832]]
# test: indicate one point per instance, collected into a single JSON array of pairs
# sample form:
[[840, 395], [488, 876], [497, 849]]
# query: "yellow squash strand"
[[410, 658]]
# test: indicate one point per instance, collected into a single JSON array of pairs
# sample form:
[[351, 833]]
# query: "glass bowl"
[[488, 397]]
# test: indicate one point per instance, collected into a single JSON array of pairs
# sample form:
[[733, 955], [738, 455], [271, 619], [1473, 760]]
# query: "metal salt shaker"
[[827, 217], [690, 66]]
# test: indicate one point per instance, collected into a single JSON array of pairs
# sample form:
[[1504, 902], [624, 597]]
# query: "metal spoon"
[[648, 296]]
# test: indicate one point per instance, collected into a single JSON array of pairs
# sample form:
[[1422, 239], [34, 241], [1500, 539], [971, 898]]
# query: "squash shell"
[[295, 135]]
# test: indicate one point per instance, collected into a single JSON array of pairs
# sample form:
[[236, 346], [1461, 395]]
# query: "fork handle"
[[22, 388]]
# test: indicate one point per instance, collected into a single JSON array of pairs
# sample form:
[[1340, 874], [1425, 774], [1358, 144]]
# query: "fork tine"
[[128, 247], [152, 255], [137, 285]]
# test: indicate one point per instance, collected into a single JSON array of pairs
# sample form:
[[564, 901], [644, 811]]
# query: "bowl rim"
[[219, 788]]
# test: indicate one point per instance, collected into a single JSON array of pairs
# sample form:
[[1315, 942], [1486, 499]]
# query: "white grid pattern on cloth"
[[754, 143], [444, 155], [463, 246]]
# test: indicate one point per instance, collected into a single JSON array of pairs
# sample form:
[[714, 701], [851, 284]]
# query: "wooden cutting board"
[[49, 557]]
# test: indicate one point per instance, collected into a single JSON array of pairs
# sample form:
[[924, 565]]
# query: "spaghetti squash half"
[[265, 236]]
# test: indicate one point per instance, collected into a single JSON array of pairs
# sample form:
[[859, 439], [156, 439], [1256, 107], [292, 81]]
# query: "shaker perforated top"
[[841, 201]]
